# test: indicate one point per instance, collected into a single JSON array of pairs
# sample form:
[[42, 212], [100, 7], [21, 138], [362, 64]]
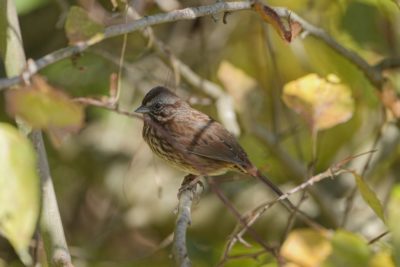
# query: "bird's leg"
[[190, 182]]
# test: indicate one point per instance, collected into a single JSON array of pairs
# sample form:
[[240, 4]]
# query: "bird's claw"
[[190, 183]]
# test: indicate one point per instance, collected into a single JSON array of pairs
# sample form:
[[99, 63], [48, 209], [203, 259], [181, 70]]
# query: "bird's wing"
[[212, 140]]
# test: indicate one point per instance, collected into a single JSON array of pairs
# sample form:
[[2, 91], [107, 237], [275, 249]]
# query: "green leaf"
[[369, 196], [27, 6], [43, 107], [80, 27], [393, 222], [19, 190], [397, 3], [348, 249]]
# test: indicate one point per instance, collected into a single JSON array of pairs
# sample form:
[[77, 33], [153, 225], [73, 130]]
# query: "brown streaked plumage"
[[190, 140]]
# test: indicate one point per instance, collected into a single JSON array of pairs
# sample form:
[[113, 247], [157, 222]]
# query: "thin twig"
[[378, 237], [116, 30], [295, 169], [243, 222], [105, 105], [254, 214], [373, 74]]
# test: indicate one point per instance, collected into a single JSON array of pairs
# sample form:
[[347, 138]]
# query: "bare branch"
[[388, 63], [51, 227], [375, 77], [182, 222], [116, 30], [242, 221], [254, 214], [373, 74]]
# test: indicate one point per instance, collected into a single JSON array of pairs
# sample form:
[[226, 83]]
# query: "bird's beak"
[[142, 109]]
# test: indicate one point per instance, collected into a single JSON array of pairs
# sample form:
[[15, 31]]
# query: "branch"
[[50, 221], [296, 170], [242, 221], [183, 220], [388, 63], [373, 74], [116, 30], [254, 214]]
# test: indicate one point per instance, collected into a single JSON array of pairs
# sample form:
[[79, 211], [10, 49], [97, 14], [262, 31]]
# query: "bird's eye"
[[157, 106]]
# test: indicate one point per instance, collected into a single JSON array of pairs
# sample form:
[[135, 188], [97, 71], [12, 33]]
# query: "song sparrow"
[[192, 141]]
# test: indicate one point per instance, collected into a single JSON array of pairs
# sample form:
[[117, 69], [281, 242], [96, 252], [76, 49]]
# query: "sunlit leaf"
[[323, 103], [393, 222], [26, 6], [348, 249], [80, 27], [19, 190], [369, 196], [44, 107], [306, 247], [381, 259]]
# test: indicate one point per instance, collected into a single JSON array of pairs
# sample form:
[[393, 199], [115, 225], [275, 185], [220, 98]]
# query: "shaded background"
[[117, 200]]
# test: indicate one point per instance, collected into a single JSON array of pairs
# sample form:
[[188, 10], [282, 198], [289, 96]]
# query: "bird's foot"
[[190, 182]]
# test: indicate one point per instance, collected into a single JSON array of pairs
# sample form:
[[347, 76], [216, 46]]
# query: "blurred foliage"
[[117, 200], [79, 27], [19, 189]]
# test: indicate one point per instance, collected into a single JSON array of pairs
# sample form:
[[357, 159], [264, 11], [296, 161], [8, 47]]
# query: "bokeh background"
[[118, 201]]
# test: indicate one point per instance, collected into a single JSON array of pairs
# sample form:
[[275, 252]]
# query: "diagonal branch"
[[373, 74], [251, 217], [116, 30]]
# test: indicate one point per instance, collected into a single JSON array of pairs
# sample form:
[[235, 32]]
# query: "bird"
[[192, 141]]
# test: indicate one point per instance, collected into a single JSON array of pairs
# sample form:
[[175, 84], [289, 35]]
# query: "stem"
[[11, 48]]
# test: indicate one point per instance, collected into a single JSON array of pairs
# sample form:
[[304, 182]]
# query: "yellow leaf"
[[306, 248], [19, 190], [323, 103], [381, 259]]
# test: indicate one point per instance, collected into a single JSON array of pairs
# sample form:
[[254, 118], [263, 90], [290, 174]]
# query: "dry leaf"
[[287, 30]]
